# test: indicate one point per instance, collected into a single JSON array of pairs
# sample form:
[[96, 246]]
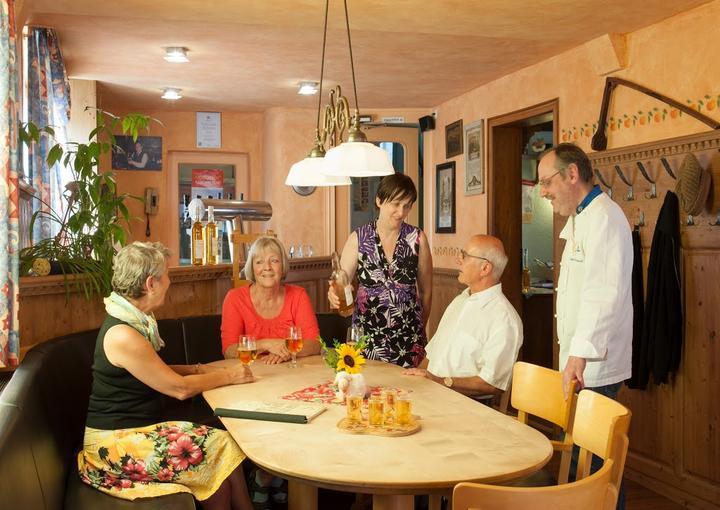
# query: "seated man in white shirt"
[[477, 341]]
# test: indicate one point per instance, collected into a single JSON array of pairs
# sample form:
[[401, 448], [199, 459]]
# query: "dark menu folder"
[[290, 412]]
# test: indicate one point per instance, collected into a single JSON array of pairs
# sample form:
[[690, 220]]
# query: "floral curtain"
[[48, 105], [9, 264]]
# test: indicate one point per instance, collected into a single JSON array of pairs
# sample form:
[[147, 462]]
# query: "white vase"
[[350, 384]]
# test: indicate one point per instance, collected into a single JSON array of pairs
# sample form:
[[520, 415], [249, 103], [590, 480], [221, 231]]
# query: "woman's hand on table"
[[240, 374], [276, 349]]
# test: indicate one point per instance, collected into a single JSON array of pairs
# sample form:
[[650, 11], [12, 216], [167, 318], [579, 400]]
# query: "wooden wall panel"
[[675, 429], [444, 289], [701, 405], [47, 312]]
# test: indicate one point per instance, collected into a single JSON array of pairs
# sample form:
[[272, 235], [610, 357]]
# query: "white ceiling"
[[248, 55]]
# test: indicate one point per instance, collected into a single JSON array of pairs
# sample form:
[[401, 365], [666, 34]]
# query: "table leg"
[[389, 502], [302, 496], [435, 501]]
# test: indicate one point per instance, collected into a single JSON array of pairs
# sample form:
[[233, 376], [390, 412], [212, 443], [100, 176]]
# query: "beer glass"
[[375, 411], [389, 397], [354, 408], [294, 344], [247, 349], [403, 410]]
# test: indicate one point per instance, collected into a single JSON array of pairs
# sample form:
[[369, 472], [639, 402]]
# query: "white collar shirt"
[[594, 296], [479, 335]]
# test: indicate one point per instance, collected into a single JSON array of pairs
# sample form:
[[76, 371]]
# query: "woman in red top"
[[267, 308]]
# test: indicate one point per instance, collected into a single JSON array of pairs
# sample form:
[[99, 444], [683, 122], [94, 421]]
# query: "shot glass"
[[403, 411], [375, 411], [354, 408]]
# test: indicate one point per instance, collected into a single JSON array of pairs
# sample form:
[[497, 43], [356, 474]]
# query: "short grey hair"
[[496, 257], [134, 263], [262, 244]]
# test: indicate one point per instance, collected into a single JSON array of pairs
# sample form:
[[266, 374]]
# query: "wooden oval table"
[[460, 440]]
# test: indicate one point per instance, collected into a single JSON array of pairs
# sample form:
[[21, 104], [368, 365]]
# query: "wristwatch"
[[448, 381]]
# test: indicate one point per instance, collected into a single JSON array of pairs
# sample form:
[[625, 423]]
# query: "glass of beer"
[[294, 344], [389, 397], [354, 408], [247, 349], [375, 411], [403, 410]]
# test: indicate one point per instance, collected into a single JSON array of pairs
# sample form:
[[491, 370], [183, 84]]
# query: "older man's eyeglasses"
[[546, 181], [464, 254]]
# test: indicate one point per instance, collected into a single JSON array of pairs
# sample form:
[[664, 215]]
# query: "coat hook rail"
[[666, 165], [716, 223], [641, 219], [603, 182], [653, 188], [630, 195]]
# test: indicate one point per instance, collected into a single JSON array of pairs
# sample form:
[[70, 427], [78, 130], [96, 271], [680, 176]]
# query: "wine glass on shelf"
[[294, 344], [247, 349]]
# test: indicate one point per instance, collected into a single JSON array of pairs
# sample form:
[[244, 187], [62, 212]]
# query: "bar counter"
[[47, 311]]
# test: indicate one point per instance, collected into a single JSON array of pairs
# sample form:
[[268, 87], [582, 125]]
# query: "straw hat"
[[693, 185]]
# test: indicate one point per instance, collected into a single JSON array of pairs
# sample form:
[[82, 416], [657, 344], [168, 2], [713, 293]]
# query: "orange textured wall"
[[675, 57]]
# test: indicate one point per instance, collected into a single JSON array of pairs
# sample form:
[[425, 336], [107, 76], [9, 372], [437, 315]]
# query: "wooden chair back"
[[601, 427], [538, 391], [595, 492]]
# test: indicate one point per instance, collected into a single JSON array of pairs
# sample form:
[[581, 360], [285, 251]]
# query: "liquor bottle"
[[341, 284], [211, 238], [198, 247], [525, 272]]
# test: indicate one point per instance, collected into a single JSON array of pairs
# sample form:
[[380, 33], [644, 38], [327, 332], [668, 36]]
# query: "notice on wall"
[[528, 204], [208, 130], [207, 183]]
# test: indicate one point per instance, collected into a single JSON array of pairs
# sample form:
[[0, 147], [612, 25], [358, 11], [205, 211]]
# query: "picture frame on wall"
[[454, 139], [474, 159], [145, 153], [445, 198]]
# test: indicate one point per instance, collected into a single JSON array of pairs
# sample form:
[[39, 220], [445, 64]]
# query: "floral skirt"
[[160, 459]]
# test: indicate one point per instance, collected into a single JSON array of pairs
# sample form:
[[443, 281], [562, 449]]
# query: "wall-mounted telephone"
[[152, 198]]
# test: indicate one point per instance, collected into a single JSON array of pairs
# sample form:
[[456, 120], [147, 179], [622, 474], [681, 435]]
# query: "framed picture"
[[474, 159], [145, 153], [445, 198], [453, 139]]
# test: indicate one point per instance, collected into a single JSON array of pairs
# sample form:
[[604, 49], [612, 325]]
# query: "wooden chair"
[[537, 391], [593, 492], [600, 427]]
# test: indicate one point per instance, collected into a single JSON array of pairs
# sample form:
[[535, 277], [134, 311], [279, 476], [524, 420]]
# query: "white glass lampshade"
[[308, 173], [357, 159]]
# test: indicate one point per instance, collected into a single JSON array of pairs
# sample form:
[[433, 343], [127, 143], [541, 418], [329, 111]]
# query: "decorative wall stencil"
[[708, 104], [446, 251]]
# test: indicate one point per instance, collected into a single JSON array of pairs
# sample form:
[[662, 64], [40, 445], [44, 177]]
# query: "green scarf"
[[122, 309]]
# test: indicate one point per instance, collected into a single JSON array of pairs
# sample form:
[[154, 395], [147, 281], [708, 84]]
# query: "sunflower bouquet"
[[343, 357]]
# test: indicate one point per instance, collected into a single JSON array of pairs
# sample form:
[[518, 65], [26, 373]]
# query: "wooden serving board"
[[388, 431]]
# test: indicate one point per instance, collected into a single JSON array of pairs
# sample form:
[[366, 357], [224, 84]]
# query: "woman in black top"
[[128, 451]]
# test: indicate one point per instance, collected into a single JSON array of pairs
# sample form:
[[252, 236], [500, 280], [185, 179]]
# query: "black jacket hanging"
[[662, 329], [639, 364]]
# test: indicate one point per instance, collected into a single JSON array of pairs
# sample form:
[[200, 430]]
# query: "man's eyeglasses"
[[546, 181], [464, 254]]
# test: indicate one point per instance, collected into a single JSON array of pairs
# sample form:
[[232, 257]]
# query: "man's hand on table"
[[422, 373]]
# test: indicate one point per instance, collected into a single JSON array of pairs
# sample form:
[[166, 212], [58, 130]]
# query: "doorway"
[[524, 222]]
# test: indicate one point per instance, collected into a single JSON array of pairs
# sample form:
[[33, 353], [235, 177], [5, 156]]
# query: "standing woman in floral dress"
[[394, 271]]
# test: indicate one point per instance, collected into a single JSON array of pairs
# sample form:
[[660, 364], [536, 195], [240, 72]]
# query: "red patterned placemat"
[[325, 393]]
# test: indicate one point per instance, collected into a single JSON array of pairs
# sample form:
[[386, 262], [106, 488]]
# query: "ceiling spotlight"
[[176, 54], [171, 94], [308, 88]]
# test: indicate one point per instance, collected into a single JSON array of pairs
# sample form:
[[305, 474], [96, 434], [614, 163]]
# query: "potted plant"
[[93, 224]]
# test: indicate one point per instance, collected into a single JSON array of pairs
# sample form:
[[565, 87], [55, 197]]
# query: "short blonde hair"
[[134, 263], [262, 244]]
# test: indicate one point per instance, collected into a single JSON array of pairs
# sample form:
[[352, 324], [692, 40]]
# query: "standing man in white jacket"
[[594, 296]]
